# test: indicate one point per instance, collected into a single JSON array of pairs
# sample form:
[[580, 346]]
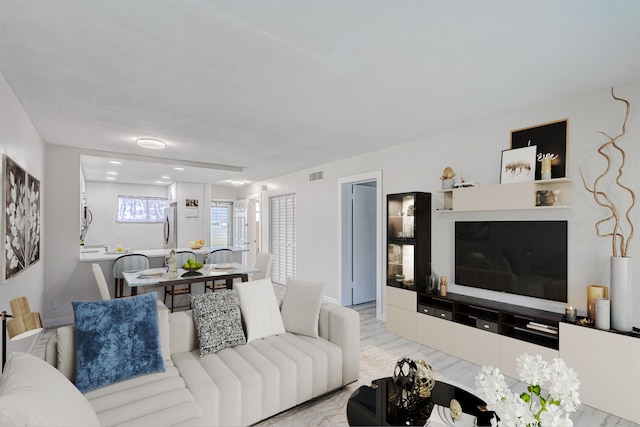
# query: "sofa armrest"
[[183, 333], [341, 326], [51, 351]]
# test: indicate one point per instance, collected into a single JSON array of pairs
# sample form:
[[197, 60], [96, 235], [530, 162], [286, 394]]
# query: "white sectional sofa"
[[239, 385]]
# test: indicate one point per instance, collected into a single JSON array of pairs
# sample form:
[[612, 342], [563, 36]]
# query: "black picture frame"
[[551, 139]]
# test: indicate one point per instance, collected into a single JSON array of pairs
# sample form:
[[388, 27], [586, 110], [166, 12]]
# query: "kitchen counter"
[[99, 254]]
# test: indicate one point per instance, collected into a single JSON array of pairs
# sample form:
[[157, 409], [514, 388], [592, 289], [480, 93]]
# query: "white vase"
[[620, 293], [447, 184]]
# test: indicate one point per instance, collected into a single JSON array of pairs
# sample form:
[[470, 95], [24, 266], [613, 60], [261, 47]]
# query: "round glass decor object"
[[425, 379]]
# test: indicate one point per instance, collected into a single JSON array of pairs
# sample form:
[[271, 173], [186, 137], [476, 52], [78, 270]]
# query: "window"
[[220, 224], [283, 237], [141, 209]]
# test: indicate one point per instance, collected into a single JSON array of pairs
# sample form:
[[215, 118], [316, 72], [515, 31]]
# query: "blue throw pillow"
[[116, 340]]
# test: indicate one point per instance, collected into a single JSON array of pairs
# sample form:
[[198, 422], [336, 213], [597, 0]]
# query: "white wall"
[[193, 228], [102, 199], [474, 151], [221, 193], [20, 140], [66, 278]]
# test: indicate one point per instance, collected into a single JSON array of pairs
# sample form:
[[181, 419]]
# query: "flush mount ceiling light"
[[236, 182], [151, 144]]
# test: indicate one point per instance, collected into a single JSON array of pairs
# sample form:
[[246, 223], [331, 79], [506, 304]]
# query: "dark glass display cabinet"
[[408, 240]]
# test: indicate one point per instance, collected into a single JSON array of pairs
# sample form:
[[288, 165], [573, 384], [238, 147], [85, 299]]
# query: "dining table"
[[161, 278]]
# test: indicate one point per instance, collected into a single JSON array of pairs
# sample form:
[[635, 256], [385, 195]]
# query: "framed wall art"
[[192, 208], [518, 165], [551, 140], [33, 220], [20, 219], [14, 241]]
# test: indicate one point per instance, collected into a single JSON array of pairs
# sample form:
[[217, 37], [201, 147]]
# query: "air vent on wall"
[[315, 176]]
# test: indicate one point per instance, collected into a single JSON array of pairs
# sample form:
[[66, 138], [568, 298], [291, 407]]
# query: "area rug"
[[331, 409]]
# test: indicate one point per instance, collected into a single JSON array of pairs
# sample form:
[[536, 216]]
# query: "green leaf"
[[526, 397]]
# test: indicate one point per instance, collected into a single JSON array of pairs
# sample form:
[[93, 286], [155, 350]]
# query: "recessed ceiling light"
[[115, 162], [151, 144], [110, 178], [179, 169], [165, 177], [112, 173], [236, 182]]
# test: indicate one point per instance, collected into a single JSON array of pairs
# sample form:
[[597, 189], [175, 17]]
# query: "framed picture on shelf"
[[518, 165], [551, 140]]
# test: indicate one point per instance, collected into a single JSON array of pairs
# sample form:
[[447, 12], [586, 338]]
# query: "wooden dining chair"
[[218, 256], [128, 262], [181, 258]]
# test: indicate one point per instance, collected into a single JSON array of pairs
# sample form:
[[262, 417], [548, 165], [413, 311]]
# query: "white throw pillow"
[[34, 393], [301, 307], [259, 309]]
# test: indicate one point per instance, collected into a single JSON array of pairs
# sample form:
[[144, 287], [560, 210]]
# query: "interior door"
[[364, 243], [252, 235], [240, 227]]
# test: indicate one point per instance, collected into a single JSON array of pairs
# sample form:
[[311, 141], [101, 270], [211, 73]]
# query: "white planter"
[[620, 293], [447, 184]]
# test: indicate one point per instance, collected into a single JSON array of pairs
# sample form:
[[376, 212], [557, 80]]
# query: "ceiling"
[[273, 87]]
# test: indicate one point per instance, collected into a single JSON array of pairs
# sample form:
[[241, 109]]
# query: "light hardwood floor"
[[379, 352]]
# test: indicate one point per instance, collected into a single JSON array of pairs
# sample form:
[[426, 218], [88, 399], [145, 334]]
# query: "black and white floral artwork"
[[15, 218], [33, 223]]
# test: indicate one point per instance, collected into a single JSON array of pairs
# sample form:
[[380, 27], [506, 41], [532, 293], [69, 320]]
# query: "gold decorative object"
[[448, 173], [619, 242], [456, 409], [593, 292], [425, 379], [444, 285], [585, 321]]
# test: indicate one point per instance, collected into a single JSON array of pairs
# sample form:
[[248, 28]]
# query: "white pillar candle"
[[603, 313]]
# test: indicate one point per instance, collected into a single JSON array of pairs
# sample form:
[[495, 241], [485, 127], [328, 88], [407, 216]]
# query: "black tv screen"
[[518, 257]]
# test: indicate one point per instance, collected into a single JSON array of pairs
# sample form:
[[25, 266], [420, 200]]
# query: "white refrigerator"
[[170, 231]]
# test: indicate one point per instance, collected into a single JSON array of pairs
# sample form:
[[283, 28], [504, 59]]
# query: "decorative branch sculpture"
[[619, 243]]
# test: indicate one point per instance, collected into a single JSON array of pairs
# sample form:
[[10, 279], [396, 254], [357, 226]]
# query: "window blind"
[[283, 237]]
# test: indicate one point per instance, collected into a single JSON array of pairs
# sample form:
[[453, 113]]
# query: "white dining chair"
[[101, 282], [263, 263], [129, 262]]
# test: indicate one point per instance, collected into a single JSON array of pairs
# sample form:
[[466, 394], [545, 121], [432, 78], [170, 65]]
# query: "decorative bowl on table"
[[192, 271], [195, 245]]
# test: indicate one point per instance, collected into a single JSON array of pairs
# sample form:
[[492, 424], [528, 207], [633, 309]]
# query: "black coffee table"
[[371, 405]]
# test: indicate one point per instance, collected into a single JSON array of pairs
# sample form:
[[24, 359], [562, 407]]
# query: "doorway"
[[360, 266]]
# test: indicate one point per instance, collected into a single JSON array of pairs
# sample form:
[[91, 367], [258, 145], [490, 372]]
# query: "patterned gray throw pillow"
[[217, 320]]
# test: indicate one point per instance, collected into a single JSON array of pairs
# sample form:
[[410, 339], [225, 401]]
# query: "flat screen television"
[[518, 257]]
